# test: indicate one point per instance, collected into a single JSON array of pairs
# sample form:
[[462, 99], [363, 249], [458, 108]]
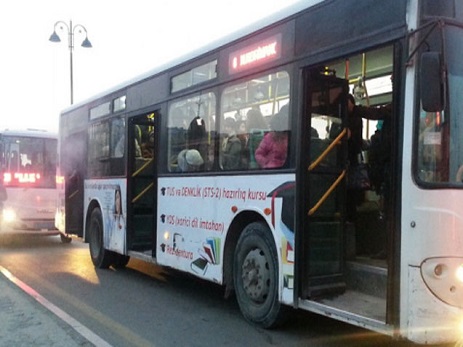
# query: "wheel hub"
[[256, 275]]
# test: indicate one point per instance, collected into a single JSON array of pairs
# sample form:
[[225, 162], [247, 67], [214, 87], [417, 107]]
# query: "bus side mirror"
[[431, 90]]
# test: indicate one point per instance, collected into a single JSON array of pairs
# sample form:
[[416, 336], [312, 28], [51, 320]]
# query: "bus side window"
[[253, 103], [191, 122], [117, 138], [255, 137], [176, 137], [177, 142], [197, 136]]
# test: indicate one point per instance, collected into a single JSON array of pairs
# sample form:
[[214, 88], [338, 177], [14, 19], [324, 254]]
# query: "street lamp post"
[[61, 26]]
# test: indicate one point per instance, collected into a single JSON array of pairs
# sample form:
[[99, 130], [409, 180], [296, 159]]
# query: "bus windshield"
[[455, 79], [29, 161], [440, 149]]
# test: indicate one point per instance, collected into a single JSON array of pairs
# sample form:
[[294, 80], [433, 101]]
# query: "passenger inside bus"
[[243, 136], [273, 148], [256, 127], [147, 147], [379, 167], [189, 160], [197, 136], [230, 152]]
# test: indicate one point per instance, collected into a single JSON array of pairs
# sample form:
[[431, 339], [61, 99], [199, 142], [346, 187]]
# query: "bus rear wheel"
[[101, 257], [255, 275]]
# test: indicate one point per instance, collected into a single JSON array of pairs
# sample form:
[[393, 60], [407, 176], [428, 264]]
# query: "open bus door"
[[141, 199], [321, 250], [72, 152]]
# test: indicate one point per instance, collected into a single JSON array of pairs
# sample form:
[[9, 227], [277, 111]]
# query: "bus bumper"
[[425, 309], [11, 224]]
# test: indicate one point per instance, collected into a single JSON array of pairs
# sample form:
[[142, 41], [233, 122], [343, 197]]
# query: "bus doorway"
[[73, 170], [324, 170], [141, 180], [343, 225]]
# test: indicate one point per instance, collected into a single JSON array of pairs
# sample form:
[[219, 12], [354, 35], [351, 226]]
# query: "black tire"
[[255, 275], [101, 257], [65, 238]]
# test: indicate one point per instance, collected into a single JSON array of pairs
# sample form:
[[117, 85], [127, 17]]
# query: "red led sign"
[[255, 55], [20, 177]]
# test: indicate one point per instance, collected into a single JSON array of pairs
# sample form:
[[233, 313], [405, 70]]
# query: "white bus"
[[235, 164], [28, 161]]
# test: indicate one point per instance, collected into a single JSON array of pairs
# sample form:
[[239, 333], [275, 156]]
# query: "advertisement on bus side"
[[111, 196], [195, 214]]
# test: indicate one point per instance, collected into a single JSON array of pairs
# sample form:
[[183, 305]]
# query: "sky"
[[129, 38]]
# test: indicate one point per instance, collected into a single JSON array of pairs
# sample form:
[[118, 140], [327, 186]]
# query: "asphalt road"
[[144, 305]]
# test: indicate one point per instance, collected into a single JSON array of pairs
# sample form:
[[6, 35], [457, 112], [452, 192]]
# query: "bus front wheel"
[[255, 275], [101, 257]]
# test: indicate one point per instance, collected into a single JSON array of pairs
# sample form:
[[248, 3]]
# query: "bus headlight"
[[444, 278], [8, 215], [459, 273]]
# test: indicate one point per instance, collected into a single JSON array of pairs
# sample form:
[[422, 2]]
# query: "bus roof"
[[227, 39], [40, 133]]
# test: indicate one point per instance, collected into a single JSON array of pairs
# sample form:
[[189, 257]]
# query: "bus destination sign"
[[255, 55]]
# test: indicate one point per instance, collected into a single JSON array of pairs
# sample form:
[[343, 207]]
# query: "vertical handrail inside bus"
[[317, 161]]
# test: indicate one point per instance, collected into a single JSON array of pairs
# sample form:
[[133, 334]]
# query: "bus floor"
[[365, 272], [358, 303]]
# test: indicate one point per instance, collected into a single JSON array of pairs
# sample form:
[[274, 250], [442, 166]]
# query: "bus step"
[[142, 231], [366, 278], [142, 246]]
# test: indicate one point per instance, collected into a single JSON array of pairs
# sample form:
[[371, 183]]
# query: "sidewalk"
[[27, 319]]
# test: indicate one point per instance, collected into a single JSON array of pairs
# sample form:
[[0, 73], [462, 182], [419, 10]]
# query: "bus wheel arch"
[[237, 226], [101, 257], [256, 276]]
